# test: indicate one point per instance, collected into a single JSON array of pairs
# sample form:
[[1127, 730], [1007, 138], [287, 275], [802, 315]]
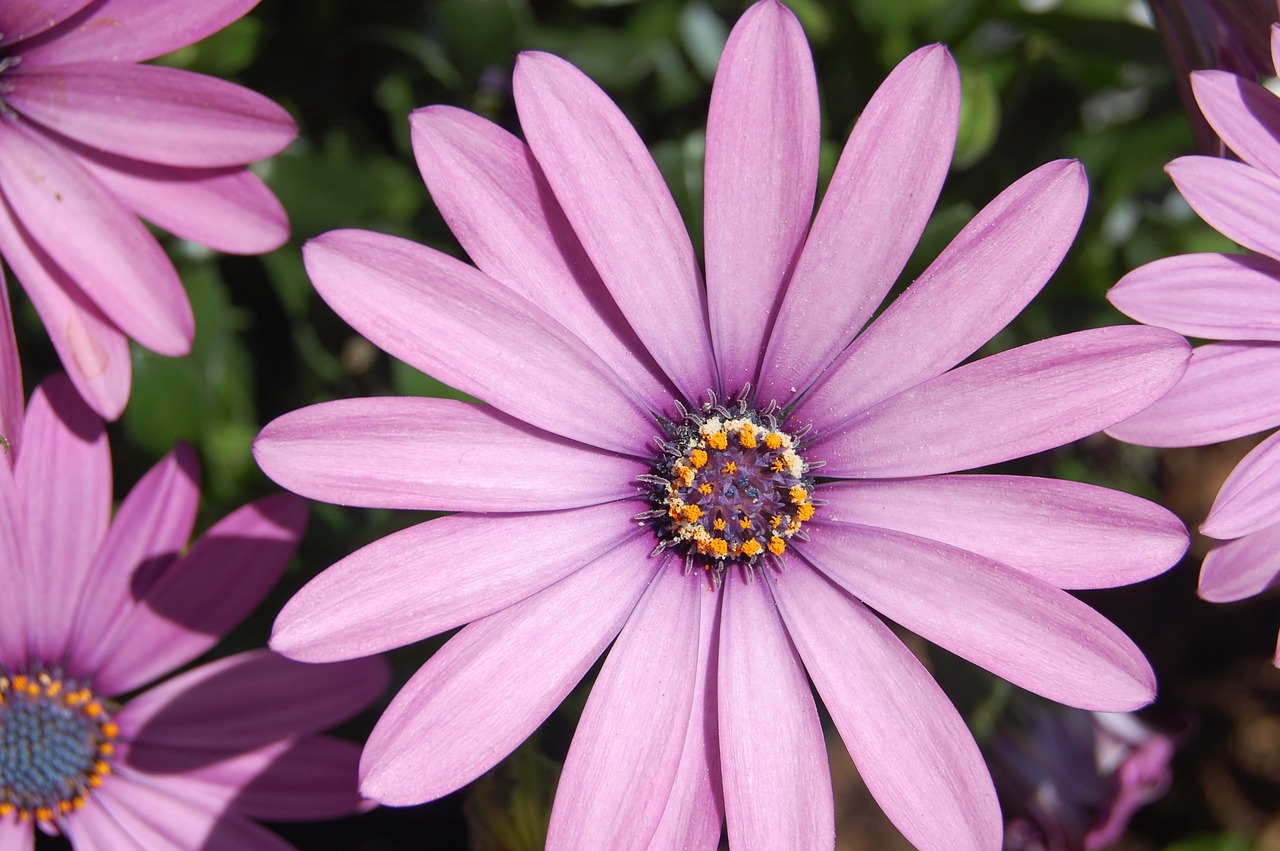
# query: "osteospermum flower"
[[719, 479], [91, 140], [1230, 388], [95, 608]]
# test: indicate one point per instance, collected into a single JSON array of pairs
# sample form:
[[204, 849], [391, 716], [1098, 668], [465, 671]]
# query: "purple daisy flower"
[[95, 608], [721, 480], [91, 140], [1231, 387]]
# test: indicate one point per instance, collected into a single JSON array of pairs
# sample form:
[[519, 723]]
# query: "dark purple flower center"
[[56, 743], [728, 487]]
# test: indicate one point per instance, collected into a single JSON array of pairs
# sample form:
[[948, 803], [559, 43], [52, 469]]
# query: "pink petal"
[[1239, 569], [1215, 296], [1236, 199], [976, 286], [511, 669], [464, 328], [11, 395], [615, 198], [773, 760], [149, 531], [1011, 404], [25, 19], [112, 258], [626, 750], [152, 113], [1068, 534], [369, 452], [1241, 112], [18, 835], [497, 202], [1229, 390], [93, 351], [695, 807], [134, 30], [1249, 500], [243, 702], [64, 476], [1015, 625], [306, 779], [912, 748], [229, 210], [203, 595], [874, 211], [761, 173], [16, 622], [442, 574]]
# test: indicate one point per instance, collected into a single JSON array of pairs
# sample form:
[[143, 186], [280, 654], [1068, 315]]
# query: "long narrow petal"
[[18, 835], [92, 349], [626, 750], [1230, 390], [112, 257], [513, 668], [64, 475], [11, 395], [777, 783], [203, 595], [461, 326], [1241, 112], [243, 702], [615, 198], [24, 20], [438, 455], [1249, 500], [229, 210], [912, 748], [496, 201], [879, 201], [1013, 624], [150, 529], [442, 574], [695, 807], [1214, 296], [1069, 534], [1236, 570], [133, 30], [152, 113], [305, 779], [978, 284], [1011, 404], [1236, 199], [761, 175], [16, 621]]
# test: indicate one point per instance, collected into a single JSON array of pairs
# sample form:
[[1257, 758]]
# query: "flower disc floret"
[[56, 744], [729, 487]]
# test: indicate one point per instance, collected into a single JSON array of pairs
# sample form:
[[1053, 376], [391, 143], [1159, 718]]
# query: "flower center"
[[56, 743], [729, 487]]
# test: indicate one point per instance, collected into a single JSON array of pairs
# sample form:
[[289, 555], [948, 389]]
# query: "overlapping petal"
[[983, 279], [1243, 114], [891, 171], [761, 174], [514, 667], [1215, 296], [1015, 625], [15, 553], [614, 196], [1235, 570], [461, 568], [1249, 500], [19, 21], [912, 748], [1068, 534], [459, 325], [10, 375], [1230, 389], [1011, 404], [370, 452], [1236, 199]]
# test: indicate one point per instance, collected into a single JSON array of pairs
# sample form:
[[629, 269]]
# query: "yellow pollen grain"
[[44, 814], [751, 547], [798, 494], [698, 457], [777, 465], [719, 547], [6, 809], [775, 521], [705, 488], [718, 524], [731, 468], [805, 511], [777, 546], [692, 513], [773, 440], [718, 440], [747, 437], [685, 475], [111, 729], [745, 522]]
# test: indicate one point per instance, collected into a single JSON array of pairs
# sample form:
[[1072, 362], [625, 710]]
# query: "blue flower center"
[[729, 487], [56, 743]]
